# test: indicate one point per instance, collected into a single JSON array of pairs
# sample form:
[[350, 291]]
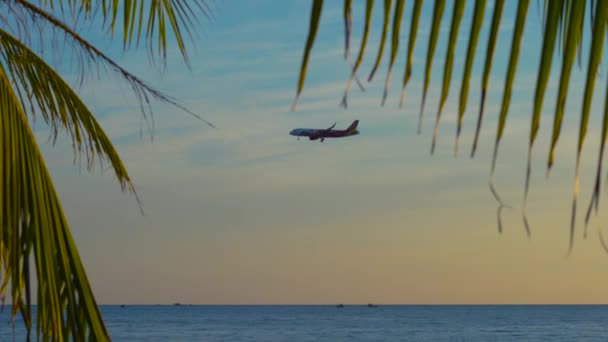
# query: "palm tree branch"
[[182, 15], [58, 104], [32, 220], [562, 25], [143, 92]]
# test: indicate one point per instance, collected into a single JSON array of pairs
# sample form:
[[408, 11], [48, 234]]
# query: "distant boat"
[[122, 305], [340, 305], [177, 304], [372, 305]]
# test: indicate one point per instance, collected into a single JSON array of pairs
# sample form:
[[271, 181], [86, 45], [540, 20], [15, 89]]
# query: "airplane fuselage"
[[321, 134], [314, 134]]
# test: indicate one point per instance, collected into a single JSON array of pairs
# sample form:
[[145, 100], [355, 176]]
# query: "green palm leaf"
[[410, 48], [369, 7], [33, 222], [92, 55], [498, 7], [387, 15], [574, 31], [437, 15], [315, 17], [597, 44], [58, 104], [154, 19], [394, 44], [478, 15], [562, 22], [449, 60], [33, 228], [348, 24], [546, 59]]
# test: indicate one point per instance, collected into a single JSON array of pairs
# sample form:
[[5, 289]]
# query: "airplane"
[[321, 134]]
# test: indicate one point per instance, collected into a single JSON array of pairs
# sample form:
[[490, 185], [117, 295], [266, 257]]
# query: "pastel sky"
[[246, 214]]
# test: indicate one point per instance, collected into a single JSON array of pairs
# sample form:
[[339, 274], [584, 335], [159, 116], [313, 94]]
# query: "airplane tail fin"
[[353, 126]]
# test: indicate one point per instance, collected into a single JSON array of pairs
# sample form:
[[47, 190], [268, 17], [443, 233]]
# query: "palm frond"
[[387, 16], [348, 24], [33, 227], [573, 36], [435, 27], [478, 14], [562, 25], [143, 92], [394, 44], [410, 47], [315, 17], [369, 6], [449, 61], [48, 94], [594, 61], [498, 7], [32, 223], [153, 20]]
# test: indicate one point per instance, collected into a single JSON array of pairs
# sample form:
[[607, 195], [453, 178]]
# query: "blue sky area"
[[244, 213]]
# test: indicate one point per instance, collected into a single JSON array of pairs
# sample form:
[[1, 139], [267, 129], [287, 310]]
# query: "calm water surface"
[[351, 323]]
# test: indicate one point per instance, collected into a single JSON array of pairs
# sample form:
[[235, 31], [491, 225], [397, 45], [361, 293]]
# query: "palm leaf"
[[32, 224], [394, 44], [449, 60], [348, 24], [387, 15], [154, 19], [143, 92], [546, 59], [369, 7], [574, 31], [478, 15], [562, 23], [498, 7], [58, 104], [437, 15], [32, 221], [410, 48], [522, 10], [597, 44], [315, 17]]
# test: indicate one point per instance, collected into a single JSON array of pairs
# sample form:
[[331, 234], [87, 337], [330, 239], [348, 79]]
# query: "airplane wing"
[[332, 126]]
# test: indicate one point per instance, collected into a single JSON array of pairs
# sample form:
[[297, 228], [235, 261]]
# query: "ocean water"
[[351, 323]]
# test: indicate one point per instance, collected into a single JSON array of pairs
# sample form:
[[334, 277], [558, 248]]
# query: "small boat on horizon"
[[340, 305]]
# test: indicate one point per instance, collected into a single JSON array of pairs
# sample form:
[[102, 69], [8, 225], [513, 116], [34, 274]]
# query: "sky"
[[244, 213]]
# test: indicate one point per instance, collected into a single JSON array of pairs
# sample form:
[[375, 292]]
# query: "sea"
[[236, 323]]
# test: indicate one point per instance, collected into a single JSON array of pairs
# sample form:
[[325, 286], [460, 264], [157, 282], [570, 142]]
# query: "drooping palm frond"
[[563, 23], [410, 47], [594, 61], [91, 54], [33, 227], [33, 223], [40, 87], [480, 7], [154, 19], [449, 61], [430, 54]]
